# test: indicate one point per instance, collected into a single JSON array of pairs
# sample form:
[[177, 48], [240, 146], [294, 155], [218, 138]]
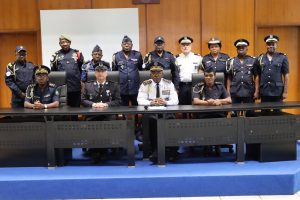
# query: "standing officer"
[[100, 94], [19, 74], [69, 60], [128, 62], [215, 58], [187, 63], [166, 58], [89, 65], [158, 91], [242, 83], [273, 69], [42, 94]]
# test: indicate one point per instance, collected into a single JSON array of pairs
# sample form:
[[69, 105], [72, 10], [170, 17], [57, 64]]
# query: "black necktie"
[[157, 90], [100, 88]]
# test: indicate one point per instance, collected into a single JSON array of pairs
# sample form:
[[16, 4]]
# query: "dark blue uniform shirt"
[[71, 62], [18, 77], [89, 66], [219, 65], [167, 59], [242, 83], [128, 70], [46, 96], [271, 82]]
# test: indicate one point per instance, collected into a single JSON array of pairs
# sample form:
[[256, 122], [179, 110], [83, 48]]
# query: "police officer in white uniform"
[[158, 91], [187, 63]]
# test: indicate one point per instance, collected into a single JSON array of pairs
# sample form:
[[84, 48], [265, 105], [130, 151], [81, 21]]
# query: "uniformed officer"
[[158, 91], [215, 58], [211, 93], [166, 58], [69, 60], [89, 65], [273, 69], [42, 94], [128, 62], [242, 82], [100, 94], [19, 74], [187, 63]]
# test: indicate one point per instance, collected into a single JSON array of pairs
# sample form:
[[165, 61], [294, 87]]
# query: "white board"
[[88, 27]]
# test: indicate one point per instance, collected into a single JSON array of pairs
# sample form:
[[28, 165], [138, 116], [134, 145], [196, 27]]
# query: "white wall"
[[88, 27]]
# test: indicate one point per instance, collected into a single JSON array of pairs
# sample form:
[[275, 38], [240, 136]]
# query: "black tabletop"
[[148, 110]]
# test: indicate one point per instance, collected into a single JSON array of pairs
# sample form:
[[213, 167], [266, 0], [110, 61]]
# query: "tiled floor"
[[262, 197]]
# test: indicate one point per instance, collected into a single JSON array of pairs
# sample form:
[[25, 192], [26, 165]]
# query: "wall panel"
[[277, 12], [64, 4], [127, 4], [7, 51], [18, 15], [229, 20], [174, 19]]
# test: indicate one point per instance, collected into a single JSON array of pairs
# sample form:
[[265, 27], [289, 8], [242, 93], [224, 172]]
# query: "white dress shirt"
[[147, 92], [187, 65]]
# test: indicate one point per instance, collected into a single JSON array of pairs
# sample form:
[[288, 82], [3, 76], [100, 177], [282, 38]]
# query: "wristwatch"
[[45, 106]]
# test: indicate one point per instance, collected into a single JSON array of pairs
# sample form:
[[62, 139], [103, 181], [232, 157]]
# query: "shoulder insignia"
[[87, 62], [218, 83], [52, 85], [169, 52], [282, 53], [147, 82], [166, 80]]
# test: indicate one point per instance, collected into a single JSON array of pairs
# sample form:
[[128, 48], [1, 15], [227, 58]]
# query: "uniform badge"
[[133, 59], [56, 93], [8, 73], [47, 95], [61, 57], [165, 92], [107, 92], [74, 56], [90, 96]]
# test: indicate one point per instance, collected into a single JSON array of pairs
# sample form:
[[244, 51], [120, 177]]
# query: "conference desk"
[[271, 133], [274, 136], [38, 129]]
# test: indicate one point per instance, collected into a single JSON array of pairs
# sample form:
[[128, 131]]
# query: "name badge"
[[165, 92]]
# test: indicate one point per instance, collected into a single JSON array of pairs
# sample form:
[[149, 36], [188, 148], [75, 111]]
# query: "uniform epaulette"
[[200, 84], [218, 83], [252, 56], [169, 52], [147, 82], [87, 62], [166, 80], [52, 85], [10, 64], [32, 85], [282, 53]]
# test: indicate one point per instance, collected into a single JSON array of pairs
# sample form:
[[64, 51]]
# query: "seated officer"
[[42, 94], [210, 93], [100, 94], [157, 91]]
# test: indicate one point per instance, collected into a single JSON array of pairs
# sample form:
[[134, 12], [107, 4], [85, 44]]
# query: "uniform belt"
[[185, 83]]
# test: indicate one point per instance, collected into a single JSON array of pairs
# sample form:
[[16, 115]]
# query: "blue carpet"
[[193, 176]]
